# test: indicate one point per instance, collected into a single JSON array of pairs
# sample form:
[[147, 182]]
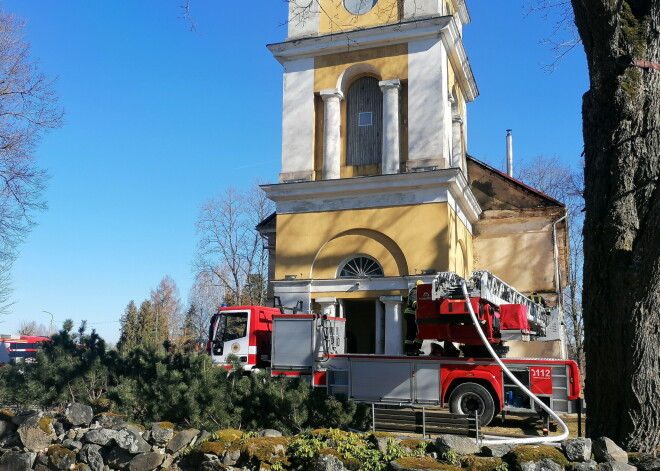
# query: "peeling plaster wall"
[[517, 246], [536, 349], [514, 237]]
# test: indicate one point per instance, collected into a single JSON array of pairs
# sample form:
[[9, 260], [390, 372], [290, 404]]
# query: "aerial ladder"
[[504, 313]]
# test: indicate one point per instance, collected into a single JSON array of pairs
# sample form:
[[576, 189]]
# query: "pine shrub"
[[147, 384]]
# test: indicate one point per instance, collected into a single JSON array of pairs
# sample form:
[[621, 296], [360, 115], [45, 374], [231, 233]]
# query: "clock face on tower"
[[359, 7]]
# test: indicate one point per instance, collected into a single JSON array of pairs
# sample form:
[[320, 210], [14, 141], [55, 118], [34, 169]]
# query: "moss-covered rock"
[[351, 464], [330, 451], [60, 457], [213, 448], [222, 441], [265, 450], [529, 453], [140, 427], [108, 419], [383, 434], [46, 424], [645, 461], [229, 435], [6, 415], [477, 463], [102, 405], [36, 432], [413, 444], [161, 432], [81, 467], [421, 463]]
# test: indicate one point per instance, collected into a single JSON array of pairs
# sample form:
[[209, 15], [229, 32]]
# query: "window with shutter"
[[364, 110]]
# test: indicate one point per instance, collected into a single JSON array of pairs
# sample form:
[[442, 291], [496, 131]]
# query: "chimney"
[[509, 153]]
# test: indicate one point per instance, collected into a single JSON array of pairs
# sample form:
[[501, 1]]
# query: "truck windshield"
[[231, 326]]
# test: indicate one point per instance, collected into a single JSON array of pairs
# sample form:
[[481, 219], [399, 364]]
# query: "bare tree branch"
[[564, 36], [187, 16], [28, 108], [230, 249], [558, 180]]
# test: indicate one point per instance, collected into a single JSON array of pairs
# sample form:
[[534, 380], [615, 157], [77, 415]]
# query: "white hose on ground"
[[518, 383]]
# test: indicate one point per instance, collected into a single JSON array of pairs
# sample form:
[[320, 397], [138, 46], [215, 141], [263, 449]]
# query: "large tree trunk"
[[621, 113]]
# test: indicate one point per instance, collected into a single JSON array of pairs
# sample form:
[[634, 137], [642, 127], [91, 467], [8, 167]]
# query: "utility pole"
[[50, 329]]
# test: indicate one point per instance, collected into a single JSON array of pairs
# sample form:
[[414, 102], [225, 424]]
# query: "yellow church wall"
[[404, 239], [461, 257], [390, 61], [455, 88], [451, 76], [354, 242], [336, 18]]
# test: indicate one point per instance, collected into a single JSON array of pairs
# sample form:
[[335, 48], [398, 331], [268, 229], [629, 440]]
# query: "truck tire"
[[469, 398]]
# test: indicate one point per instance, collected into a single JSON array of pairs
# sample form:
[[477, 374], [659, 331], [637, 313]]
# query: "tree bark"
[[621, 127]]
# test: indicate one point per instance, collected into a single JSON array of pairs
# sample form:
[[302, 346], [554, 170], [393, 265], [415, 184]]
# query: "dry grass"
[[521, 425]]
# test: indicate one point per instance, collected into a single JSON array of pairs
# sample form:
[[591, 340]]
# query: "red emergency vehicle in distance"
[[19, 347]]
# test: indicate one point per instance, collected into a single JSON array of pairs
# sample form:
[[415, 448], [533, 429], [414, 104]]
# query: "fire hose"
[[517, 383]]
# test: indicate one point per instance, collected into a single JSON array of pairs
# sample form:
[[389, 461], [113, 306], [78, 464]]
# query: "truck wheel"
[[470, 398]]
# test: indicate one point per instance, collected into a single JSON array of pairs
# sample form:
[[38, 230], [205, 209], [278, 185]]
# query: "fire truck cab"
[[242, 331]]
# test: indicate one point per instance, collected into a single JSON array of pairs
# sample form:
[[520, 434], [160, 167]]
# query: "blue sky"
[[160, 119]]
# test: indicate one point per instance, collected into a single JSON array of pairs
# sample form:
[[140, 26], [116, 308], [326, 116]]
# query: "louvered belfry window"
[[364, 110]]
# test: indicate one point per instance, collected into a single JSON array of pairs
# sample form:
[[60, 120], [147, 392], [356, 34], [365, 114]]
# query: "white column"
[[393, 325], [456, 143], [391, 155], [331, 133], [328, 306]]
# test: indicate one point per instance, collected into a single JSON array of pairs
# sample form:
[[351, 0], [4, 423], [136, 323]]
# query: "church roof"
[[497, 190], [267, 223]]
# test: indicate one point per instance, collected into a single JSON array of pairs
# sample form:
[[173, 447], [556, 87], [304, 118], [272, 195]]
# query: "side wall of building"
[[519, 247]]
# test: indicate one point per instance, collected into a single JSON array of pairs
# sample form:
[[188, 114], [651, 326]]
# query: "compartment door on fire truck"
[[427, 383], [381, 381]]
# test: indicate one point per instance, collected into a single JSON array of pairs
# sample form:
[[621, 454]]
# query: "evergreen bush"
[[147, 384]]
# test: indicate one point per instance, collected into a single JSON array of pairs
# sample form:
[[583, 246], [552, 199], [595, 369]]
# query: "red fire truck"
[[312, 347], [19, 347]]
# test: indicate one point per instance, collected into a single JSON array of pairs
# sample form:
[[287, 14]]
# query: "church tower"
[[374, 87], [373, 193]]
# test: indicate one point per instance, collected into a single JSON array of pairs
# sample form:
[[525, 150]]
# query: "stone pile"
[[78, 440]]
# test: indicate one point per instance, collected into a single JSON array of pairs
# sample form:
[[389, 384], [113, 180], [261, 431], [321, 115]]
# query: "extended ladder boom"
[[483, 284]]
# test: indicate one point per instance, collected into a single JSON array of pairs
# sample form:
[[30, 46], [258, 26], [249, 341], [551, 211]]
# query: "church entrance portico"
[[373, 307], [361, 323]]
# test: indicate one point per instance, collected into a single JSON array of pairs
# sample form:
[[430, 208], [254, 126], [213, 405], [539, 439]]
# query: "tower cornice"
[[442, 27], [432, 186]]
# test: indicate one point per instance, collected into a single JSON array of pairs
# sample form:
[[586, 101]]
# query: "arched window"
[[364, 111], [360, 266]]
